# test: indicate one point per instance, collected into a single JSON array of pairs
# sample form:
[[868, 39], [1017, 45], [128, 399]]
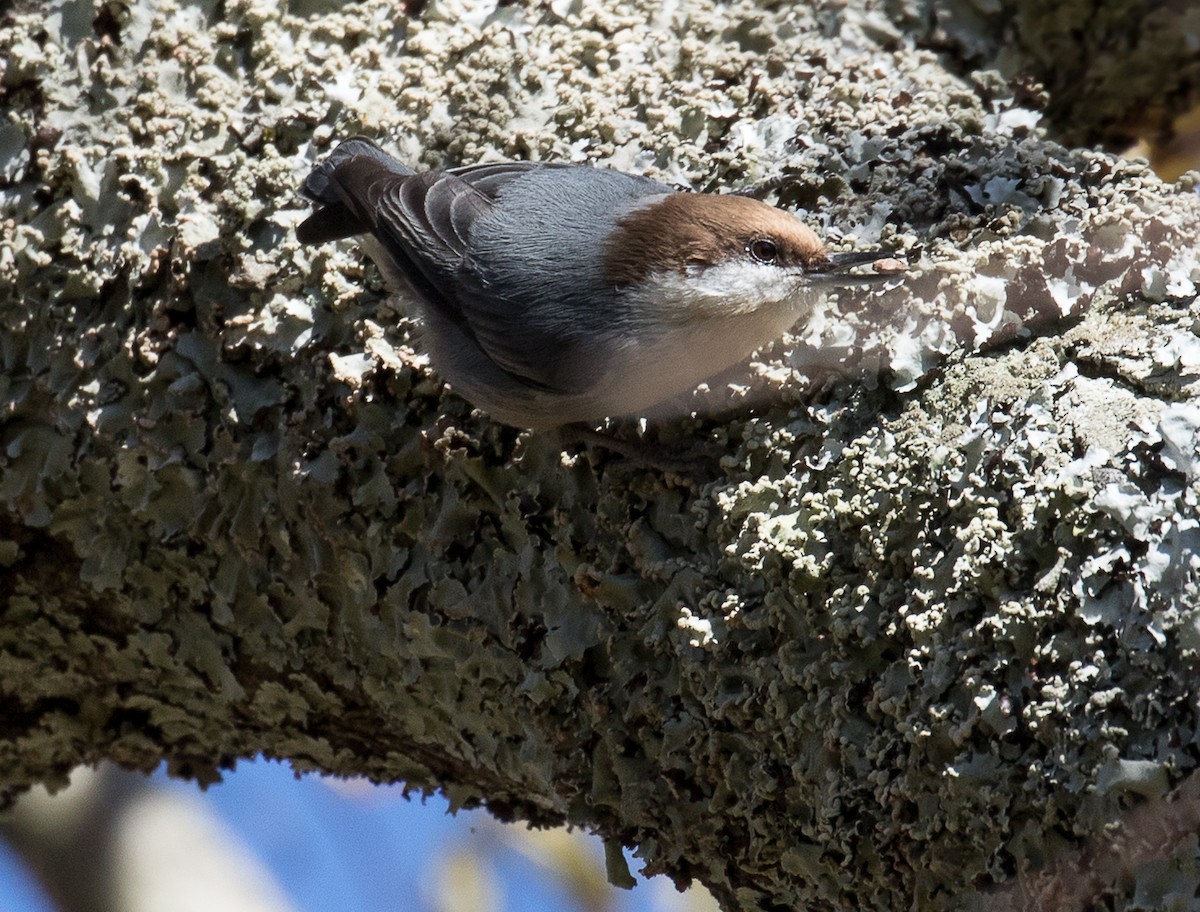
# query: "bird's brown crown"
[[696, 230]]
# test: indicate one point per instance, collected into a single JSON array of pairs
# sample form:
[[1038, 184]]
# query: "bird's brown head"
[[685, 232]]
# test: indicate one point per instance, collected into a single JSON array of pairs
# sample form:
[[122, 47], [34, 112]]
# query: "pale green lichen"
[[929, 622]]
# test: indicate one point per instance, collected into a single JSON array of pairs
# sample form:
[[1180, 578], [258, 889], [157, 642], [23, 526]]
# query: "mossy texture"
[[926, 623], [1105, 72]]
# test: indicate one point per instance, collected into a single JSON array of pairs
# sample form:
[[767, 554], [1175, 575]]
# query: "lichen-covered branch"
[[1106, 71], [925, 626]]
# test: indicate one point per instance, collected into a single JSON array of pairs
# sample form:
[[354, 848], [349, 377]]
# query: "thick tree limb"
[[929, 625]]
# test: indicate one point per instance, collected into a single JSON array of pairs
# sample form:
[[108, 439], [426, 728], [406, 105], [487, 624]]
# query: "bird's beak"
[[832, 270]]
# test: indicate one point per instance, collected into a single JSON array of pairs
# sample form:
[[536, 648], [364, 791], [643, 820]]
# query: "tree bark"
[[924, 627], [1107, 73]]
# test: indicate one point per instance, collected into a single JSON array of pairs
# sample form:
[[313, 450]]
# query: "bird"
[[556, 294]]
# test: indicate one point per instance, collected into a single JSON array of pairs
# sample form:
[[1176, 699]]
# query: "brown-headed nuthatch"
[[555, 293]]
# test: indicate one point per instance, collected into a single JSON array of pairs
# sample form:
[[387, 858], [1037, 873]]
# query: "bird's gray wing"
[[423, 223], [533, 287], [491, 178], [428, 217], [427, 220]]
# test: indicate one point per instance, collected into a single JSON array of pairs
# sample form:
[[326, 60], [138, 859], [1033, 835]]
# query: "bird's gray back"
[[543, 242]]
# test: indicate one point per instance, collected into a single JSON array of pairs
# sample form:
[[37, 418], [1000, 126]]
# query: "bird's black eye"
[[764, 250]]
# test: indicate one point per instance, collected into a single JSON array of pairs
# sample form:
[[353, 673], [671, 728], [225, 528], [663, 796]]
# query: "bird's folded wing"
[[490, 178]]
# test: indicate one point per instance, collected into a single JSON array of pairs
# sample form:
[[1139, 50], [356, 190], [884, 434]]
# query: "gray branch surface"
[[1108, 71], [923, 634]]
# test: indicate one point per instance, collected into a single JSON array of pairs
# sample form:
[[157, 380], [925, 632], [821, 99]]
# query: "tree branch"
[[929, 624]]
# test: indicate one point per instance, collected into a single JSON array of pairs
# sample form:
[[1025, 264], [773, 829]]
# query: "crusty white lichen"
[[926, 624]]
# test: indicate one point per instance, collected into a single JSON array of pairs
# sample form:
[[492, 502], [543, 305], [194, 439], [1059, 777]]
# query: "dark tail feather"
[[329, 223], [334, 219]]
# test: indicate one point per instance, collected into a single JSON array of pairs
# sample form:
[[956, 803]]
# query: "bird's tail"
[[337, 216]]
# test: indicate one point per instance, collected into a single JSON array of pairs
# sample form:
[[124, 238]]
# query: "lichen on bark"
[[928, 624]]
